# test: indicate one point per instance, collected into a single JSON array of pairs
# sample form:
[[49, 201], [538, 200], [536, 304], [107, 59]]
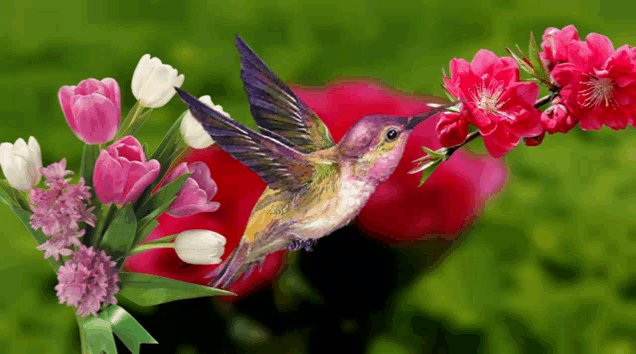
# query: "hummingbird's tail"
[[232, 268]]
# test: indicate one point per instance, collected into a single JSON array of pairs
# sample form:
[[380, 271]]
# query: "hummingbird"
[[314, 186]]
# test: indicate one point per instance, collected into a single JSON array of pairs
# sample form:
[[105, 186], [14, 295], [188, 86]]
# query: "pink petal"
[[601, 48], [483, 63], [524, 93], [64, 95], [590, 120], [129, 148], [201, 174], [113, 94], [90, 86], [500, 142], [139, 178], [451, 129], [176, 172], [97, 118], [109, 178], [481, 120]]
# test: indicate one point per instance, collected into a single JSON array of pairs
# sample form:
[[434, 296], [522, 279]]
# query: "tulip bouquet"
[[87, 229]]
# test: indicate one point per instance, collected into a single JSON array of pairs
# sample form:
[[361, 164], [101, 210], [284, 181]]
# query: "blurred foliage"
[[548, 268]]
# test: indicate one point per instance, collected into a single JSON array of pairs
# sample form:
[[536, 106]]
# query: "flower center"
[[598, 91], [488, 98]]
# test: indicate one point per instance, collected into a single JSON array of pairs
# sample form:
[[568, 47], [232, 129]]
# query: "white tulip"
[[192, 131], [21, 163], [153, 82], [200, 246]]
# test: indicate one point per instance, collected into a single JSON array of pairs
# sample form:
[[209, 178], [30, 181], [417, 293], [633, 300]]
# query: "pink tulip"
[[92, 109], [194, 197], [122, 172]]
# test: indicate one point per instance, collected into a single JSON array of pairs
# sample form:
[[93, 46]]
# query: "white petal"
[[141, 74], [36, 153], [200, 246]]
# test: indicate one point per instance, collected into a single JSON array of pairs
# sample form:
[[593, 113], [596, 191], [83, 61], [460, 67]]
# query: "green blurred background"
[[548, 268]]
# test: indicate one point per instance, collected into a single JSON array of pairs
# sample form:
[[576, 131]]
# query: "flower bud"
[[451, 129], [21, 163], [192, 131], [153, 82], [122, 172], [200, 246], [92, 109], [196, 192]]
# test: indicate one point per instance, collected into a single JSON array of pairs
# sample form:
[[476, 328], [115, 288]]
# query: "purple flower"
[[122, 172], [195, 194], [59, 210], [92, 109], [87, 280]]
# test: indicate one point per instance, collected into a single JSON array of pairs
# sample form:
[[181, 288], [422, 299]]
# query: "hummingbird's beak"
[[419, 118]]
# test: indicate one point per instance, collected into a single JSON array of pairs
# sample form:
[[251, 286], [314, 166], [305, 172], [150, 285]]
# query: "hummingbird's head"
[[376, 142]]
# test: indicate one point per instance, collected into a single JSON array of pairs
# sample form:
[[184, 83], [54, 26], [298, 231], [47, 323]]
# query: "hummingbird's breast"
[[336, 209]]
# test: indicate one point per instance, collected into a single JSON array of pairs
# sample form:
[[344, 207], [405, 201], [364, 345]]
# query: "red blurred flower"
[[500, 106], [556, 44], [597, 84], [399, 210]]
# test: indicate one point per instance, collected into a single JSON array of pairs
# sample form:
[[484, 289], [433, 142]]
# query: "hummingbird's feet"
[[307, 244]]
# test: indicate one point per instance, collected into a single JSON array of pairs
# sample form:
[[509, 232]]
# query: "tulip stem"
[[149, 246], [130, 119]]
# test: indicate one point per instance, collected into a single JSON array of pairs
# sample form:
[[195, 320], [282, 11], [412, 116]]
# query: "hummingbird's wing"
[[279, 113], [279, 165]]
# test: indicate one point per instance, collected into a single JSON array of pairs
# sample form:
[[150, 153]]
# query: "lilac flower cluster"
[[58, 210], [87, 280]]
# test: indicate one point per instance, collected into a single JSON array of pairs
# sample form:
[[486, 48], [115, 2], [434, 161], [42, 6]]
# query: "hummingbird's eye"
[[391, 134]]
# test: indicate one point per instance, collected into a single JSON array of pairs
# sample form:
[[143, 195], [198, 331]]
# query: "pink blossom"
[[194, 197], [122, 172], [557, 118], [92, 109], [556, 44], [451, 129], [87, 280], [535, 140], [59, 210], [597, 83], [495, 101]]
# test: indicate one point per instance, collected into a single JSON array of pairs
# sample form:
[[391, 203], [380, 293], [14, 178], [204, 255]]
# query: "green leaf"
[[144, 228], [148, 290], [522, 63], [158, 200], [120, 235], [99, 335], [12, 197], [89, 157], [126, 327], [168, 148], [162, 239], [139, 121], [428, 171], [103, 222], [537, 63]]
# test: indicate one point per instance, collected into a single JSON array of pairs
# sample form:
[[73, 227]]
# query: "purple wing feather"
[[278, 165], [279, 113]]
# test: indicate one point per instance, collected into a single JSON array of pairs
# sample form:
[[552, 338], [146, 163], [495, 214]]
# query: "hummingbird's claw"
[[298, 244]]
